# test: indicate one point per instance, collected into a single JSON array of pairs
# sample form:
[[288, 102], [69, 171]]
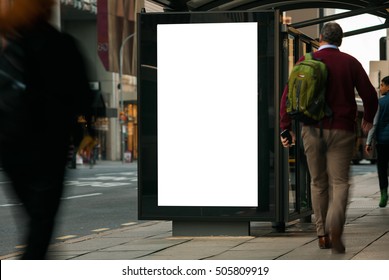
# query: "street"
[[362, 168], [95, 199]]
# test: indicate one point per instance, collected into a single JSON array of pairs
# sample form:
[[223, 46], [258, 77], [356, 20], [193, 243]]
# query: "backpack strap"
[[309, 56]]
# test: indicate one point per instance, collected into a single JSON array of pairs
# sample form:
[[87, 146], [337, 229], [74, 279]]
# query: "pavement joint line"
[[162, 249], [367, 245], [287, 252]]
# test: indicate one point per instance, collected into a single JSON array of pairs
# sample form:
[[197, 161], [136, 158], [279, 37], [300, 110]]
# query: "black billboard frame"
[[148, 208]]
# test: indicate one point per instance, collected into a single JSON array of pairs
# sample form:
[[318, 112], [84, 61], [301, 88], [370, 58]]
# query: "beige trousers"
[[329, 160]]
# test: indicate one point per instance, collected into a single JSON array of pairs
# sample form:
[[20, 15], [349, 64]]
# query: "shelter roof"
[[225, 5], [356, 7]]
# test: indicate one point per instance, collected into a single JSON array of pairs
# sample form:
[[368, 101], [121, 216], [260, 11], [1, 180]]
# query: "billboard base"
[[189, 228]]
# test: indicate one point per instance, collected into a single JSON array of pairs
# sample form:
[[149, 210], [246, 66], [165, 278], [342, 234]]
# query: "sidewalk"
[[366, 238]]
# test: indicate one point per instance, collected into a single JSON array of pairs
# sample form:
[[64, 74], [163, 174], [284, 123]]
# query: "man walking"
[[329, 145], [44, 88]]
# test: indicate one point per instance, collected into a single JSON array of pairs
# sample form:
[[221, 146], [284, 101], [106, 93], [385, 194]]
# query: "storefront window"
[[131, 125]]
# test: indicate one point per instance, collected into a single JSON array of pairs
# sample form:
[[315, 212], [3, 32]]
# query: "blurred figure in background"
[[380, 132], [44, 87], [86, 149]]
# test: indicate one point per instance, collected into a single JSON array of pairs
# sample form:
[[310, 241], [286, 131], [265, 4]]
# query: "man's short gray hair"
[[332, 33]]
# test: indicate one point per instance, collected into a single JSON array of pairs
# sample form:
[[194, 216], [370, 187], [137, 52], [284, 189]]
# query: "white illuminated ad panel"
[[207, 115]]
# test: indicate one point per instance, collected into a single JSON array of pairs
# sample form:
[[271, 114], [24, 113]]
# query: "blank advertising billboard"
[[207, 114]]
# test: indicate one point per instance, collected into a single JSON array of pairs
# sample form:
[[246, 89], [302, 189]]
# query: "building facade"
[[100, 26]]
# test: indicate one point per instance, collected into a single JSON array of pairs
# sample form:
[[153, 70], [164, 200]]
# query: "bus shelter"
[[210, 79]]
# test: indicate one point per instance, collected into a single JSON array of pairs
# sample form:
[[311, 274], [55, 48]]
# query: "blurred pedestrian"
[[380, 132], [86, 149], [329, 144], [95, 151], [49, 89]]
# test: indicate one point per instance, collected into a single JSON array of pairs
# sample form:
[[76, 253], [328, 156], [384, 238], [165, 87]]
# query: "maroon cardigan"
[[344, 74]]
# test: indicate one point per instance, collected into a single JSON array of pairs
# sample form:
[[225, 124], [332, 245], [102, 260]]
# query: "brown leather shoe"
[[324, 242], [337, 244]]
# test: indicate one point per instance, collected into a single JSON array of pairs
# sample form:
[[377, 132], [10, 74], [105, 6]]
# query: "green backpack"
[[306, 91]]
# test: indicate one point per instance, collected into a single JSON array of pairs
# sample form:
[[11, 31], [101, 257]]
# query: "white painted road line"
[[5, 182], [105, 178], [100, 229], [81, 196], [129, 224], [10, 205], [66, 237], [117, 173], [96, 184]]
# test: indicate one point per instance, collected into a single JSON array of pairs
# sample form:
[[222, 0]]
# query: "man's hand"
[[366, 126], [285, 141]]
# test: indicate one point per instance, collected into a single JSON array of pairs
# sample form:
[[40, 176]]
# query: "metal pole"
[[121, 122]]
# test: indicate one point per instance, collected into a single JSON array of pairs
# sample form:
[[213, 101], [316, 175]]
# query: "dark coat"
[[382, 130], [57, 92]]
